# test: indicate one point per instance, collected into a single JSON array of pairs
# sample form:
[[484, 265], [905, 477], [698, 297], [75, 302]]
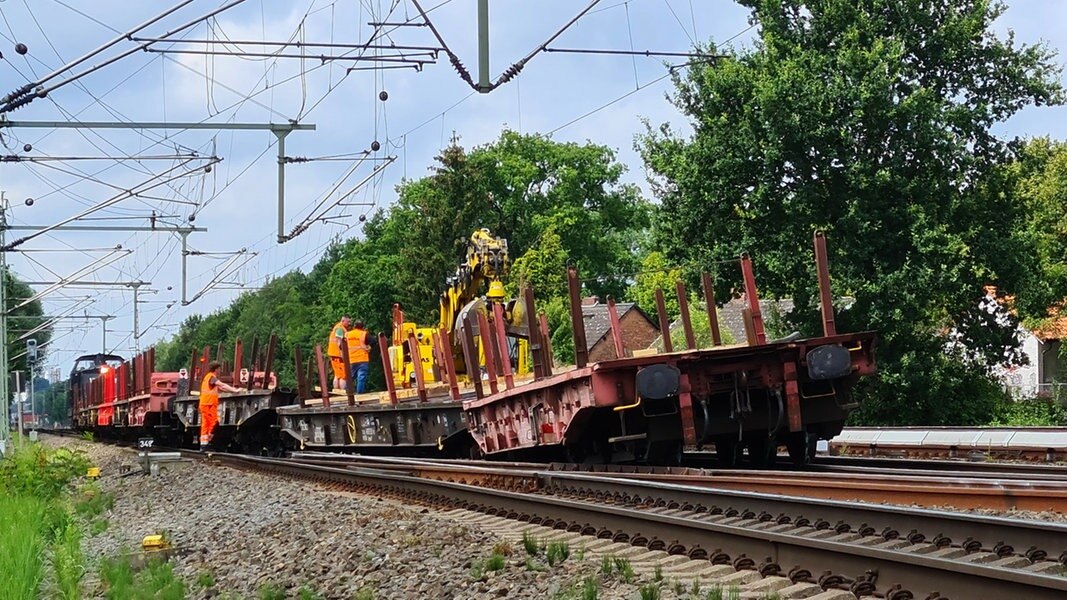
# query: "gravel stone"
[[250, 530]]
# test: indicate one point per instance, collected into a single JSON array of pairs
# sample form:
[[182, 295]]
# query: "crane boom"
[[485, 265]]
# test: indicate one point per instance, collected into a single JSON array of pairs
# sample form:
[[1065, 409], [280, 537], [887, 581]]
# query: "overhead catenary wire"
[[20, 97], [147, 185]]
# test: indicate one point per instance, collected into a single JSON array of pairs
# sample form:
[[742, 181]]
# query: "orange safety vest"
[[358, 350], [335, 340], [209, 394]]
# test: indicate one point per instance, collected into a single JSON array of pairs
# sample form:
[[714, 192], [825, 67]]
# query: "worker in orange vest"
[[358, 355], [337, 361], [209, 401]]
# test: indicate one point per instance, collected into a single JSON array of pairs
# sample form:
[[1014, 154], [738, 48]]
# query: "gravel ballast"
[[251, 530]]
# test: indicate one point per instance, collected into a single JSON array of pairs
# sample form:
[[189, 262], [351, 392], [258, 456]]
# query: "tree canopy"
[[870, 120], [22, 321], [554, 202], [1040, 180]]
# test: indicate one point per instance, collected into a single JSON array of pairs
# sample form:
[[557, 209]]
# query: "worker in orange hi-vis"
[[359, 346], [209, 401], [337, 361]]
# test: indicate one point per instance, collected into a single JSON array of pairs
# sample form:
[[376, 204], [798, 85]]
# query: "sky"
[[572, 97]]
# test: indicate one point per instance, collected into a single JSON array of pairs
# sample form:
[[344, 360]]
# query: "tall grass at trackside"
[[36, 522], [22, 544], [68, 563]]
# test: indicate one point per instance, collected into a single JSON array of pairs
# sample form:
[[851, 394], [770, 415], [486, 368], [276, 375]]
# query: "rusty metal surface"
[[952, 468], [234, 409], [430, 425], [700, 490], [701, 533]]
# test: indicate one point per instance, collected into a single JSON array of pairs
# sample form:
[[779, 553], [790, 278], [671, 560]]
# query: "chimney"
[[590, 301]]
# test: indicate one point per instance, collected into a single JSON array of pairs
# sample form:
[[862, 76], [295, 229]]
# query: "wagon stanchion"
[[546, 343], [683, 310], [323, 383], [349, 385], [488, 350], [574, 288], [448, 363], [664, 322], [416, 364], [301, 378], [615, 328], [470, 356], [712, 310], [826, 299], [502, 344], [752, 300], [253, 361], [238, 364], [268, 363], [390, 385], [535, 334]]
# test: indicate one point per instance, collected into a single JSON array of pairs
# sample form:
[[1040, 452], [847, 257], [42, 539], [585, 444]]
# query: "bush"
[[1030, 412], [34, 470]]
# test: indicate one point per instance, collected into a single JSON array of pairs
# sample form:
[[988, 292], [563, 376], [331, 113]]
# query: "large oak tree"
[[871, 120]]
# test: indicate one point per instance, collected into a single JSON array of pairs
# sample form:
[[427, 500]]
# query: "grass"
[[205, 579], [532, 546], [68, 563], [590, 589], [503, 548], [36, 524], [610, 564], [557, 552], [717, 593], [92, 502], [657, 574], [22, 544], [495, 562], [649, 591], [307, 592], [364, 593], [98, 526], [270, 591], [156, 581]]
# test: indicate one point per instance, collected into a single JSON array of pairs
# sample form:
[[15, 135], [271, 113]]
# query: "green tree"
[[543, 267], [519, 187], [1040, 177], [23, 320], [869, 119], [52, 402], [656, 273]]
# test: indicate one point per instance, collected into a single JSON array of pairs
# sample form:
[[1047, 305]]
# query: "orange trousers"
[[209, 418]]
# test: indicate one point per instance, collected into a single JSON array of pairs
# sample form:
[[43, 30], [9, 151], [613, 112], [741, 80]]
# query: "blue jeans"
[[359, 375]]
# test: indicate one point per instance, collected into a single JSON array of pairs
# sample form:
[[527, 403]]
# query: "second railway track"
[[870, 550]]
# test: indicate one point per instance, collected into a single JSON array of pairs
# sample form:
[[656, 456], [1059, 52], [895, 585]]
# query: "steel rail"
[[685, 531], [1006, 535], [922, 490]]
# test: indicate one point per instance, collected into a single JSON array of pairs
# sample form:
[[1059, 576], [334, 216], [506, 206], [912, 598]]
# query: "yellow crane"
[[486, 264]]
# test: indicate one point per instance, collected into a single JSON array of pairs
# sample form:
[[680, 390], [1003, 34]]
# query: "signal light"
[[104, 369]]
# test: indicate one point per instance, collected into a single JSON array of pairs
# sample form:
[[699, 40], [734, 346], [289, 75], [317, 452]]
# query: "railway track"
[[869, 550], [897, 486]]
